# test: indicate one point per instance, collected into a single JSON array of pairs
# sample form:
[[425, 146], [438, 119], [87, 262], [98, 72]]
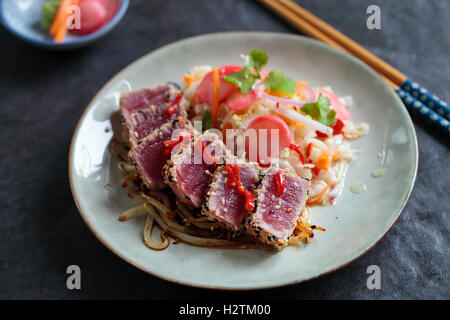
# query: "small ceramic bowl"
[[22, 19]]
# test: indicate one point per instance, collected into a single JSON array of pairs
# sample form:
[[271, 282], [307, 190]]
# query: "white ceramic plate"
[[353, 226]]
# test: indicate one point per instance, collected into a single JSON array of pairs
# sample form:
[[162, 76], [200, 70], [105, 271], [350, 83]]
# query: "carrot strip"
[[300, 85], [189, 80], [59, 20], [59, 27], [336, 156], [61, 34], [318, 197], [215, 103], [324, 161]]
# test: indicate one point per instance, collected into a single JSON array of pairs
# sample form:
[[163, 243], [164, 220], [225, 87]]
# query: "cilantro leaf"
[[320, 111], [206, 120], [244, 79], [278, 82], [257, 60]]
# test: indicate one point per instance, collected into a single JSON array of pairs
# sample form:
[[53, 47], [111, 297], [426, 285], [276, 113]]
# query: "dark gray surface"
[[42, 95]]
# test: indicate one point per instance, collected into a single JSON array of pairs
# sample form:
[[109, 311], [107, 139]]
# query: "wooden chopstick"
[[302, 25], [299, 18], [354, 48], [416, 90]]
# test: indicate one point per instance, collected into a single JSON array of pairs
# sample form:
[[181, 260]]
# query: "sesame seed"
[[272, 197], [225, 209], [277, 207], [222, 200]]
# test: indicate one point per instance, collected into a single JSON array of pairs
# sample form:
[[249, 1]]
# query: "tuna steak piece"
[[280, 199], [150, 154], [225, 202], [134, 101], [143, 122], [190, 170]]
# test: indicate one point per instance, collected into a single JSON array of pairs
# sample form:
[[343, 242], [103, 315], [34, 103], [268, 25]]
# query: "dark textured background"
[[42, 95]]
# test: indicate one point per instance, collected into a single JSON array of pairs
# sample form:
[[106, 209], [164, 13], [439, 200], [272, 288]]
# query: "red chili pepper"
[[170, 144], [264, 165], [337, 127], [281, 183], [296, 149], [206, 154], [308, 149], [321, 134], [278, 105], [316, 171], [173, 106]]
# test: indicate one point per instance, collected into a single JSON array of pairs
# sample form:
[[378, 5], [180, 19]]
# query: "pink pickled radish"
[[93, 15], [269, 123], [204, 90], [336, 104], [239, 101]]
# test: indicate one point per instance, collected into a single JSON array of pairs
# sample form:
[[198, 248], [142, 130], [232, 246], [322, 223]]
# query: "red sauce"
[[234, 180], [174, 105], [281, 183]]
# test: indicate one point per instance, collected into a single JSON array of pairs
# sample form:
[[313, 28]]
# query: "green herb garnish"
[[206, 120], [246, 78], [49, 10], [320, 111], [278, 82], [257, 59]]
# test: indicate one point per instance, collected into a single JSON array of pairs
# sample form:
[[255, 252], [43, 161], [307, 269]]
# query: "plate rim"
[[226, 288]]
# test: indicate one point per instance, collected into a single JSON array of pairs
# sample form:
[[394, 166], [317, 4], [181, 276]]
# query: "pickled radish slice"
[[336, 104], [264, 145], [94, 14], [239, 101], [228, 92], [204, 90]]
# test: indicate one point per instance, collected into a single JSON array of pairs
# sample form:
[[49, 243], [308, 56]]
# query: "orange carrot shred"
[[324, 161], [318, 197], [189, 80], [59, 26], [215, 100], [59, 17]]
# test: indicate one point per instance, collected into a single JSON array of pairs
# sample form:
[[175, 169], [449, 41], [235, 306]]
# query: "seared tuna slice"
[[190, 170], [150, 154], [280, 199], [230, 195], [143, 122], [134, 101]]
